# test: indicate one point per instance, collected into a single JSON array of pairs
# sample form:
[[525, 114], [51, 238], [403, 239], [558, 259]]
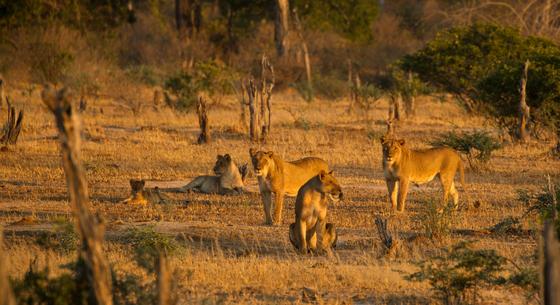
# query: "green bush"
[[330, 87], [49, 63], [542, 202], [459, 274], [148, 244], [477, 145], [436, 221], [211, 77], [482, 64]]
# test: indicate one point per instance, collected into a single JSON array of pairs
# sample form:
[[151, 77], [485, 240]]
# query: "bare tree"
[[524, 110], [163, 280], [204, 136], [281, 29], [409, 98], [12, 127], [307, 61], [89, 227], [267, 84], [395, 106], [252, 94], [385, 235]]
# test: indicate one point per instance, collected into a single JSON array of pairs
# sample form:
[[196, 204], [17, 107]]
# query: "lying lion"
[[282, 178], [311, 214], [402, 165], [142, 196], [229, 179]]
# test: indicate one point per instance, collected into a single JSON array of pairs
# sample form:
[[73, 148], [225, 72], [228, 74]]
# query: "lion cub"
[[229, 178], [402, 166], [282, 178], [311, 214], [141, 196]]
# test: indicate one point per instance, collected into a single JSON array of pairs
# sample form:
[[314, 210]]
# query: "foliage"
[[148, 243], [130, 289], [458, 274], [49, 62], [542, 202], [63, 239], [352, 18], [330, 86], [476, 145], [482, 64], [436, 221], [93, 14], [212, 77]]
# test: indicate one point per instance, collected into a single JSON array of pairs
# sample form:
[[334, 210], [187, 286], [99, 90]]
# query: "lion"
[[311, 214], [402, 165], [229, 178], [282, 178], [142, 196]]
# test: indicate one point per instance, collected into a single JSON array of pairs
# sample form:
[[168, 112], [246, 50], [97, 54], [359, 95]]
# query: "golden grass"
[[231, 256]]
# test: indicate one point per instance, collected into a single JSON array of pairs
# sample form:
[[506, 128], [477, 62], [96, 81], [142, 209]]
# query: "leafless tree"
[[204, 136], [12, 127], [281, 28], [524, 110]]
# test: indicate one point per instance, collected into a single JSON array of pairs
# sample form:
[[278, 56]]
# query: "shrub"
[[330, 87], [49, 62], [542, 202], [459, 274], [481, 64], [477, 145], [63, 239], [211, 77], [148, 243], [436, 222]]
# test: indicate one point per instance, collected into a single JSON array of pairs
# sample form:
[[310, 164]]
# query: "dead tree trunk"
[[267, 84], [244, 103], [2, 93], [204, 136], [89, 227], [253, 111], [12, 128], [281, 26], [395, 106], [6, 295], [163, 280], [410, 96], [385, 235], [524, 110], [551, 265], [306, 59]]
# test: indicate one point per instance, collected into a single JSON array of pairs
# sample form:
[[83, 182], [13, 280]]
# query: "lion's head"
[[329, 185], [223, 164], [392, 148], [261, 161], [137, 186]]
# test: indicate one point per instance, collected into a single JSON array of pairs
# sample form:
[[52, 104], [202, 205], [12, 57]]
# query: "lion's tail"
[[462, 174]]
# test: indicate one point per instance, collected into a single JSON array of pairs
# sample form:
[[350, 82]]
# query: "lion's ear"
[[219, 157], [227, 157], [270, 153], [252, 151], [401, 142], [331, 172], [382, 139], [132, 181], [142, 182]]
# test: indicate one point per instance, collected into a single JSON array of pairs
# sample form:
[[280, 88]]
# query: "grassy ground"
[[229, 256]]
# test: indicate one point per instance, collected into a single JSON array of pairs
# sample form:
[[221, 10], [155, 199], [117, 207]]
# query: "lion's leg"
[[325, 238], [403, 190], [446, 184], [331, 236], [302, 234], [278, 206], [267, 202], [312, 238], [392, 187], [455, 195], [196, 183], [293, 235]]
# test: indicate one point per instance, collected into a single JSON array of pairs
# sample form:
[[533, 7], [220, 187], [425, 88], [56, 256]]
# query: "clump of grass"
[[477, 145], [64, 238], [436, 222], [148, 244]]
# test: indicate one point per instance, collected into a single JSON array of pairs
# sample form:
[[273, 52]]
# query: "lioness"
[[229, 179], [282, 178], [402, 166], [311, 214], [140, 195]]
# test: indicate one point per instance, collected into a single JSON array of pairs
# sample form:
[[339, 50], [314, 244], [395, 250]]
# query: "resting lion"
[[282, 178], [311, 214], [142, 196], [229, 179], [402, 165]]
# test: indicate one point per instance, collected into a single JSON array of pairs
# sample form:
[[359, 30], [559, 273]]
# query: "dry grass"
[[230, 256]]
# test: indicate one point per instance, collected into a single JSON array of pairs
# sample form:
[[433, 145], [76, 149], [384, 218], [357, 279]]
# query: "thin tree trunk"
[[267, 84], [410, 97], [281, 26], [163, 280], [6, 293], [204, 136], [253, 111], [306, 59], [91, 230], [524, 110], [551, 265]]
